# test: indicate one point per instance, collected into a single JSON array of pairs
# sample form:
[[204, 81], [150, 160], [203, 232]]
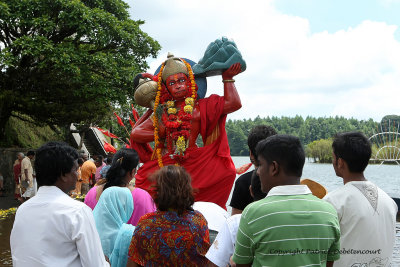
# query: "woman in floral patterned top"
[[174, 235]]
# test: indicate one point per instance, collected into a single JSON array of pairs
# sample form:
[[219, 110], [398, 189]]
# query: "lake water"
[[387, 177]]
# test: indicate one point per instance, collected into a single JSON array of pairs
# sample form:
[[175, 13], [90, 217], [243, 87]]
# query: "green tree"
[[320, 151], [64, 61]]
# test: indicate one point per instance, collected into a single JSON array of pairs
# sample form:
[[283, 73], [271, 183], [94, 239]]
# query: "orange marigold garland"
[[155, 120], [177, 123]]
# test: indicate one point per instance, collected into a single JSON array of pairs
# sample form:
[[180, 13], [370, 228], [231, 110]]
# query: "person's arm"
[[244, 246], [26, 174], [221, 250], [143, 131], [87, 239], [231, 96]]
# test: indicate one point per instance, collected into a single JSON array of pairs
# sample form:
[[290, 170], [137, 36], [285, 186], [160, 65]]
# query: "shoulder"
[[254, 208], [25, 161], [91, 194], [338, 194], [140, 191], [149, 217], [382, 195], [88, 164], [71, 209], [245, 178], [197, 217]]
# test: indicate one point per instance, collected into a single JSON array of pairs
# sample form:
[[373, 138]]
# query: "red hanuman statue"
[[175, 121]]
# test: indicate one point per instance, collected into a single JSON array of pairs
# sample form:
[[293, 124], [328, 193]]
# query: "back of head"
[[354, 148], [286, 150], [30, 153], [109, 160], [99, 159], [257, 134], [256, 187], [53, 160], [124, 161], [173, 189]]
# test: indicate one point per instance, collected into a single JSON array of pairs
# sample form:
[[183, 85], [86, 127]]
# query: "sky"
[[317, 58]]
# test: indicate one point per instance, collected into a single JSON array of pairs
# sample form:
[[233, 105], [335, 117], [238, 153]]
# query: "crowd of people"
[[275, 220]]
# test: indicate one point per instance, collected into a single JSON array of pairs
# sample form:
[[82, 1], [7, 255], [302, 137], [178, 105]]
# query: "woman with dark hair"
[[174, 235], [121, 172]]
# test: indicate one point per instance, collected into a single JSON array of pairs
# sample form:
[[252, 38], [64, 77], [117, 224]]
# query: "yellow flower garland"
[[189, 101]]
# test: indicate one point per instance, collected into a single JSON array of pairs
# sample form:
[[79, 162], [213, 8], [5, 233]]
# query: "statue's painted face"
[[177, 85]]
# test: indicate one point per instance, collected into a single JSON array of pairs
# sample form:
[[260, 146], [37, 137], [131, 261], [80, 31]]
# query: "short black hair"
[[354, 148], [109, 160], [124, 161], [53, 160], [30, 153], [99, 159], [257, 134], [256, 187], [286, 150]]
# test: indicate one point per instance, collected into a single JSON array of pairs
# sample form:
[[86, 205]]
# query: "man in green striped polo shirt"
[[290, 227]]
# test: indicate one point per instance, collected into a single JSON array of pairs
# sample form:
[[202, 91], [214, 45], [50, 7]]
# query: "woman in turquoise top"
[[111, 215]]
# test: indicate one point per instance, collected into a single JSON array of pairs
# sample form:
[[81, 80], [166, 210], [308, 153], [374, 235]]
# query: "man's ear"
[[251, 191], [274, 168], [63, 178], [342, 165]]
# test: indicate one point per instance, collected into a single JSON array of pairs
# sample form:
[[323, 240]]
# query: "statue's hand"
[[233, 70]]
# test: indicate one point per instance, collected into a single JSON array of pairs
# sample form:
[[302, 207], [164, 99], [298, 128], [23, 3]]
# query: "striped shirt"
[[290, 227]]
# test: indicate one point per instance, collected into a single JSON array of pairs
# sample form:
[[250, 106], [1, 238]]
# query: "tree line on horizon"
[[309, 130]]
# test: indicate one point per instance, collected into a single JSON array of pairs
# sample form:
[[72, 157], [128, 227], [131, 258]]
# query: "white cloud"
[[354, 72]]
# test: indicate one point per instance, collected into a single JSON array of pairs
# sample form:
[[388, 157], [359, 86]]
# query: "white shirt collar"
[[50, 190], [286, 190]]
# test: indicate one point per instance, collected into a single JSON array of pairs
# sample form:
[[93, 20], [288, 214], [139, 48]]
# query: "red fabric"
[[17, 173], [135, 113], [109, 148], [131, 123], [211, 167], [119, 120], [105, 132]]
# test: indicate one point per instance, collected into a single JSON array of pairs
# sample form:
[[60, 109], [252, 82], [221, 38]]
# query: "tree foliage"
[[320, 151], [64, 61], [308, 130]]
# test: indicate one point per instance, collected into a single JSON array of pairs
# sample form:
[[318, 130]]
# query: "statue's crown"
[[173, 65]]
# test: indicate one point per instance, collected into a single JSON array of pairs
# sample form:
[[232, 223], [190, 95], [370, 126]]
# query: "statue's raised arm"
[[231, 96]]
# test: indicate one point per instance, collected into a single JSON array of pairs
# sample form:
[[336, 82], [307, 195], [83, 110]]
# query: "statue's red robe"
[[211, 167]]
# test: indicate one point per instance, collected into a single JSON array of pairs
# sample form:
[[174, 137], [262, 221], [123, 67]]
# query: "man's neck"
[[353, 176], [290, 180]]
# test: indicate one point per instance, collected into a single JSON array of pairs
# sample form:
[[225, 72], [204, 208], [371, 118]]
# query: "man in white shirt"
[[367, 215], [52, 229], [27, 175], [222, 248]]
